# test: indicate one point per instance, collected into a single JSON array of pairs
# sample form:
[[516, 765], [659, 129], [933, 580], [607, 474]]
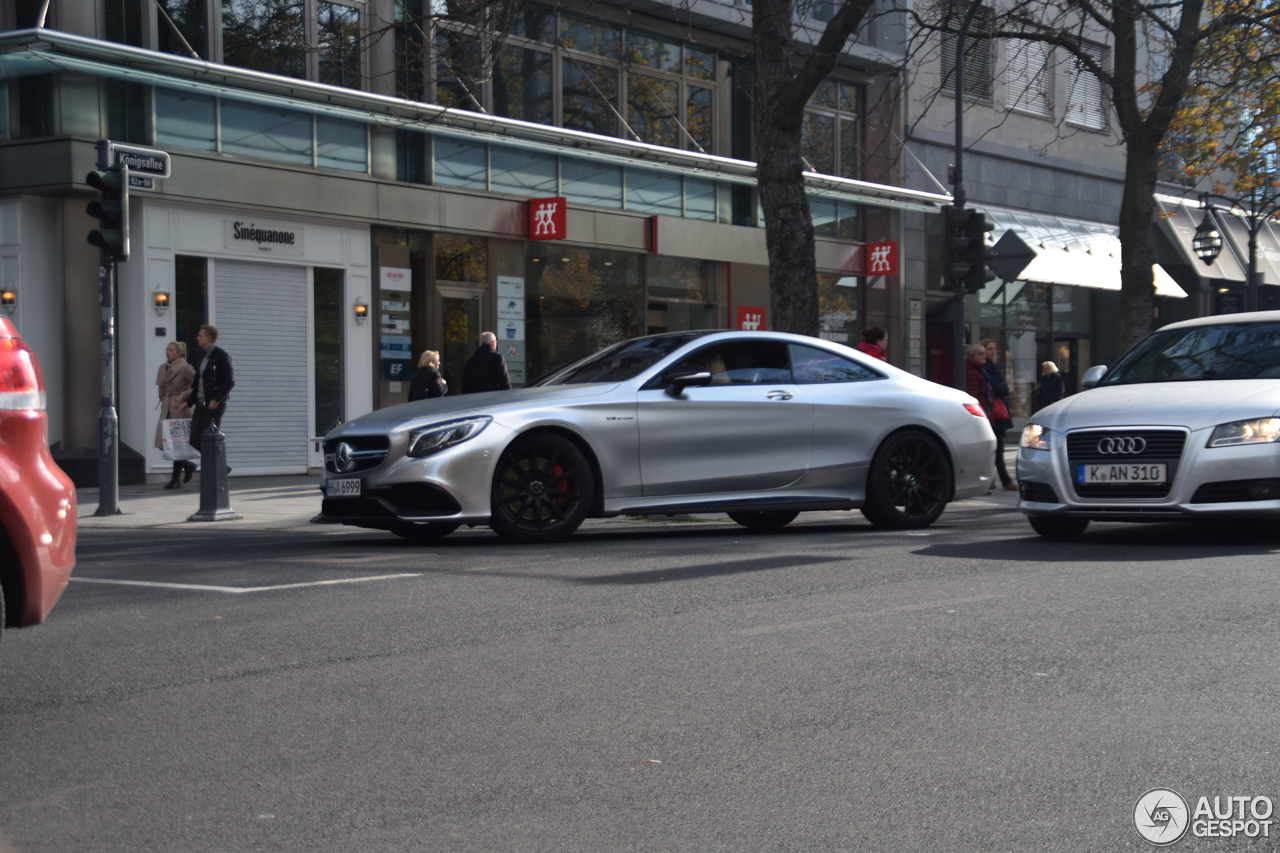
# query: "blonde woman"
[[174, 379], [1050, 389], [428, 382]]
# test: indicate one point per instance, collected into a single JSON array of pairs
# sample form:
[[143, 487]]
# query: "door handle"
[[778, 395]]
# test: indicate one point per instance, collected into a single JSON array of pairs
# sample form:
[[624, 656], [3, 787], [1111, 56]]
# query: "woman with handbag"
[[174, 379], [998, 411]]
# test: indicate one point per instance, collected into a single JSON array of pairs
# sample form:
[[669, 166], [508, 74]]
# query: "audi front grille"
[[1125, 446]]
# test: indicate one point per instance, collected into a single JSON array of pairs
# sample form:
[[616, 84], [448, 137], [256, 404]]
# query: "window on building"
[[461, 258], [830, 136], [977, 54], [1087, 104], [410, 51], [179, 21], [1029, 77], [327, 352], [123, 19], [411, 157], [35, 106], [307, 39], [191, 302], [662, 88]]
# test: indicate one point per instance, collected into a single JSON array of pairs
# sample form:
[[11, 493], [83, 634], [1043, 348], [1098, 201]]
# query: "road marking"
[[348, 558], [866, 614], [239, 590]]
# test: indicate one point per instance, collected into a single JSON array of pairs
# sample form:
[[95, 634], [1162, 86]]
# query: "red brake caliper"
[[560, 485]]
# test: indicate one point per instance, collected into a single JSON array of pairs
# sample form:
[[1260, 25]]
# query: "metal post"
[[215, 499], [1251, 285], [108, 422], [958, 195]]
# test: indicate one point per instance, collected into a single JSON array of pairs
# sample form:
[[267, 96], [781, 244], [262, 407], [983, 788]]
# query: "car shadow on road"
[[1104, 543], [707, 570]]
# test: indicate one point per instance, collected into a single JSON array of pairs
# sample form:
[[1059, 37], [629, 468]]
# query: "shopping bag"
[[175, 439]]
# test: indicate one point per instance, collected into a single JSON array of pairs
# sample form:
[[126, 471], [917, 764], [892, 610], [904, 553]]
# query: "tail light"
[[20, 384], [975, 410]]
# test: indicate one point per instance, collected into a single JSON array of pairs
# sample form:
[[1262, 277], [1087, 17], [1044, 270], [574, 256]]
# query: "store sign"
[[396, 278], [750, 318], [547, 218], [396, 354], [262, 237], [882, 258]]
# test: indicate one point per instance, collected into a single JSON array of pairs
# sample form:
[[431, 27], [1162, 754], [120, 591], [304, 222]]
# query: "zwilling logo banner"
[[750, 318], [547, 219], [882, 258]]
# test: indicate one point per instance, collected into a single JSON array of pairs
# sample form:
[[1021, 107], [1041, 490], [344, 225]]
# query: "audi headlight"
[[1245, 432], [1035, 437], [428, 440]]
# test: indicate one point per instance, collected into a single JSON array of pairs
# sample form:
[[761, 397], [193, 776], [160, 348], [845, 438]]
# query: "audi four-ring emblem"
[[1122, 445]]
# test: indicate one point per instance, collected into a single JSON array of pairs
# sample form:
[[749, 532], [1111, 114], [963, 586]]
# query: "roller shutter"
[[261, 312]]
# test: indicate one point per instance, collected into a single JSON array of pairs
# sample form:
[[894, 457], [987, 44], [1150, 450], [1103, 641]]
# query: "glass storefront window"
[[652, 106], [838, 309], [327, 352], [460, 163], [591, 183], [653, 52], [678, 278], [341, 144], [265, 35], [577, 302], [338, 28], [653, 192], [520, 172], [269, 132], [588, 37], [584, 108], [699, 199], [522, 84], [461, 258]]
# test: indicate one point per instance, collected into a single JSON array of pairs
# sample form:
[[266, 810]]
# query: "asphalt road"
[[690, 688]]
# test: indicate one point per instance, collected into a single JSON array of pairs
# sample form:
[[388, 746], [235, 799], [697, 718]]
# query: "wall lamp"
[[161, 298], [9, 298], [362, 310]]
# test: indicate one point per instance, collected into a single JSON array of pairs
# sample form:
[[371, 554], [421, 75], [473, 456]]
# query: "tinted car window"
[[619, 362], [743, 362], [814, 367], [1200, 353]]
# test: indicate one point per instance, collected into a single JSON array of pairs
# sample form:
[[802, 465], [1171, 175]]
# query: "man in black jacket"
[[212, 387], [487, 369]]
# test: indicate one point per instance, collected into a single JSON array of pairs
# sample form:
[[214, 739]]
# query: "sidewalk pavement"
[[289, 503]]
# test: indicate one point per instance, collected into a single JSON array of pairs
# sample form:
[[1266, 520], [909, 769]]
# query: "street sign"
[[141, 182], [143, 161], [1010, 256]]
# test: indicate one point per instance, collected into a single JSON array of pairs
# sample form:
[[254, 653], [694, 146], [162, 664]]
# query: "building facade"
[[347, 193]]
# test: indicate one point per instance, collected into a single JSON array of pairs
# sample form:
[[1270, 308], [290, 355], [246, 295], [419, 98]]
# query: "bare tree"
[[1152, 75], [787, 72]]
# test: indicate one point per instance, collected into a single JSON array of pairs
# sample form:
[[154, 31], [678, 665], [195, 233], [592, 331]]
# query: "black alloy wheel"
[[428, 532], [909, 483], [1058, 527], [542, 490], [764, 522]]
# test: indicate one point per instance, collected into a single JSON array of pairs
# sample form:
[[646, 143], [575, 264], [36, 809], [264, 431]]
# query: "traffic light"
[[112, 211], [967, 253], [975, 233]]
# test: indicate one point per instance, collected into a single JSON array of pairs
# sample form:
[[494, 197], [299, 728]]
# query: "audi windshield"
[[1202, 353]]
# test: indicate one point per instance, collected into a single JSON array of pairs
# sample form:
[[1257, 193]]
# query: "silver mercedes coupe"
[[760, 425], [1185, 426]]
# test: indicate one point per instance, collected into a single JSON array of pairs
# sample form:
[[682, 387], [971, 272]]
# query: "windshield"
[[1200, 353], [619, 362]]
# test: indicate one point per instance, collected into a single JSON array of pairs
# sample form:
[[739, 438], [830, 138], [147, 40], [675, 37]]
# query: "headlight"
[[1245, 432], [1035, 437], [424, 442]]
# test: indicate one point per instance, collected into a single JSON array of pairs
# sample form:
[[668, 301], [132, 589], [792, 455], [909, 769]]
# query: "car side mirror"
[[1093, 376], [679, 378]]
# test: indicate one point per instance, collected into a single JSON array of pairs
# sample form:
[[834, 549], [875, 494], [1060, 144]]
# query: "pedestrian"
[[174, 380], [213, 383], [999, 410], [875, 343], [486, 370], [428, 382], [1050, 389]]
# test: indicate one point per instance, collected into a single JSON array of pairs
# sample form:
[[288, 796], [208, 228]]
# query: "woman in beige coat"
[[175, 378]]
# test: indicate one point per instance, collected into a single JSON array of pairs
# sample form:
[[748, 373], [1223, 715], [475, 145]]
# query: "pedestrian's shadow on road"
[[1110, 542]]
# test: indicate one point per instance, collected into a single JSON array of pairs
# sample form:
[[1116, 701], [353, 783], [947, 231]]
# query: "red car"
[[37, 500]]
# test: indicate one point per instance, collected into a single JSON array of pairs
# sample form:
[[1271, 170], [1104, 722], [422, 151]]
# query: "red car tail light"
[[975, 410], [21, 386]]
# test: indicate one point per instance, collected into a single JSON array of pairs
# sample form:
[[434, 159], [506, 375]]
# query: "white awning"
[[1071, 252]]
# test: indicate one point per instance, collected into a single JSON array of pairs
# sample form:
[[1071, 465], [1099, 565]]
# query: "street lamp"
[[1256, 208]]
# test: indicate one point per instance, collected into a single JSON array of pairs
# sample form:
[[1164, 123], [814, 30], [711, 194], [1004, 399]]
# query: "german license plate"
[[1155, 473], [346, 488]]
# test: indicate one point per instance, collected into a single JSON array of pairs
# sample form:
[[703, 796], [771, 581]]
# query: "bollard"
[[215, 502]]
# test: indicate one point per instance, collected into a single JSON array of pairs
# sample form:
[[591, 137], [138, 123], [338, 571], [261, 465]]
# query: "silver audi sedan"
[[1184, 426], [759, 425]]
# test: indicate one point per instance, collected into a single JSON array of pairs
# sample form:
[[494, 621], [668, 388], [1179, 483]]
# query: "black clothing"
[[1051, 389], [427, 383], [216, 379], [201, 417], [485, 371]]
